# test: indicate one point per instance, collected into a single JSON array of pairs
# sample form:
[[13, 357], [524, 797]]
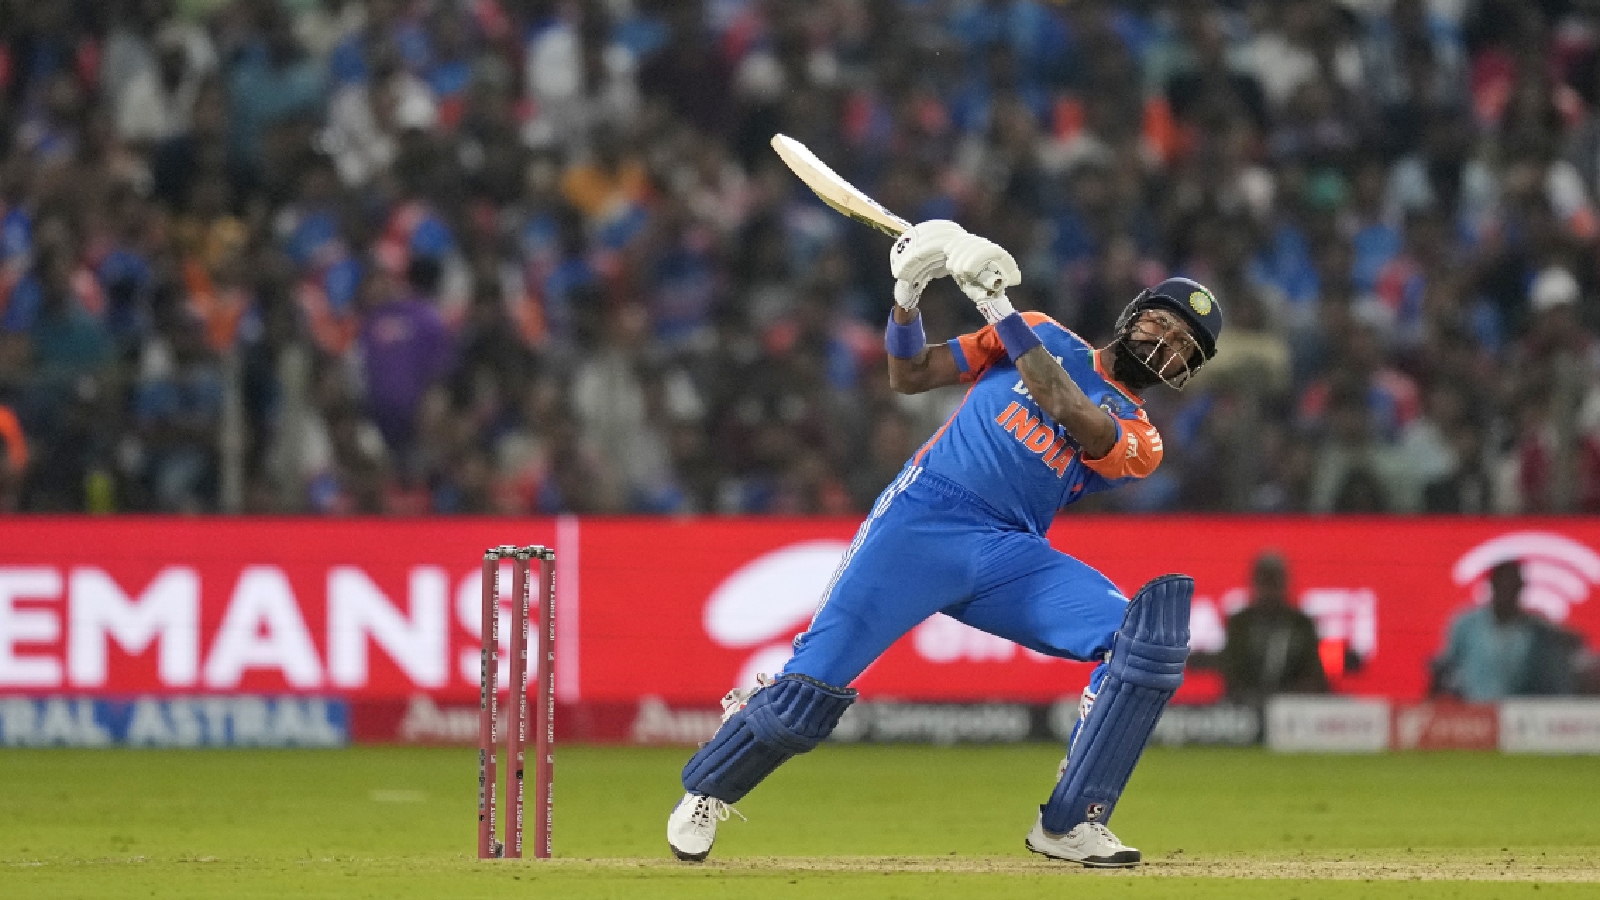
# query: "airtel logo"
[[767, 601], [1556, 570]]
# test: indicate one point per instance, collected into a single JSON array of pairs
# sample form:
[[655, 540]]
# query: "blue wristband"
[[1016, 335], [904, 341]]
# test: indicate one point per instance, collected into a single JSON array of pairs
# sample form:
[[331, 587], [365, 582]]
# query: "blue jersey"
[[1000, 446]]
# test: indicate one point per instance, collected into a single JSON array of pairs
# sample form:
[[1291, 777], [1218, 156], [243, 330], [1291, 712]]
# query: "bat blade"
[[835, 191]]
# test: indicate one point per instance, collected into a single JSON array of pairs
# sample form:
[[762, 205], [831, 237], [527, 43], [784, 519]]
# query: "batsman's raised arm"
[[932, 367], [916, 258], [1062, 400], [984, 270]]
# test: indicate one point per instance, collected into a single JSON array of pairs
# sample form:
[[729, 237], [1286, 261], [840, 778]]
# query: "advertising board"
[[681, 610]]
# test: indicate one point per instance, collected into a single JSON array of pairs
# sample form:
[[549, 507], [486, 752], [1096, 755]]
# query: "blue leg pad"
[[788, 717], [1142, 673]]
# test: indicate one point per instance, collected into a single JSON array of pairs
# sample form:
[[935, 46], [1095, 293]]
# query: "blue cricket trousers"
[[932, 546]]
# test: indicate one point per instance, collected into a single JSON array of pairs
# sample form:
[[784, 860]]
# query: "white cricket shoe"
[[692, 827], [1089, 843]]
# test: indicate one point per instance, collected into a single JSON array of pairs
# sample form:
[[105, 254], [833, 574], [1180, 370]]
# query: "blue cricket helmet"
[[1189, 299]]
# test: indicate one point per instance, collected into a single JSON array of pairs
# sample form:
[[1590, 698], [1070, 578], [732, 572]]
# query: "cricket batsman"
[[1047, 420]]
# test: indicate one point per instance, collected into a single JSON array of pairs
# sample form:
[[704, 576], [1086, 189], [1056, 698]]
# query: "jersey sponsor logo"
[[1021, 387], [1040, 439]]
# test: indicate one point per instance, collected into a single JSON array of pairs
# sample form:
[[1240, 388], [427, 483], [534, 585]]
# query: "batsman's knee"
[[797, 712], [1153, 644], [789, 717]]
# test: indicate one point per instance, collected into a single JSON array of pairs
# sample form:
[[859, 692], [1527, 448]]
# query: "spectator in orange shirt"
[[13, 459], [610, 180]]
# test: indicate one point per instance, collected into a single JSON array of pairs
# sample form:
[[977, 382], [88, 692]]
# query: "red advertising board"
[[682, 609], [1445, 726]]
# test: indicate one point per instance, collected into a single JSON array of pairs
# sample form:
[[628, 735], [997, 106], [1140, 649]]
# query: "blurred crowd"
[[532, 256]]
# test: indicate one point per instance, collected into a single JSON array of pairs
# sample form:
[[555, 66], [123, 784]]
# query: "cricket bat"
[[835, 191], [848, 199]]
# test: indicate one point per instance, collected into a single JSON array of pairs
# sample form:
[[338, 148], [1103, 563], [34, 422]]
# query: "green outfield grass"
[[842, 822]]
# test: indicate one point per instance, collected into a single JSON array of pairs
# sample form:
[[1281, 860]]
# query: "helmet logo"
[[1200, 301]]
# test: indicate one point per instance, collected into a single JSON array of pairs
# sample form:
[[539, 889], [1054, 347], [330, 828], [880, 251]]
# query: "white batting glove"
[[918, 257], [994, 308], [984, 270]]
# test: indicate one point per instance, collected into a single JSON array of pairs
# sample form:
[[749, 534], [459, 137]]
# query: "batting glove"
[[918, 257], [984, 270]]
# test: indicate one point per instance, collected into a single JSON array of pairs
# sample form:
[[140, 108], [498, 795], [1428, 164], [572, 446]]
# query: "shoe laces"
[[1102, 831], [709, 811], [735, 700]]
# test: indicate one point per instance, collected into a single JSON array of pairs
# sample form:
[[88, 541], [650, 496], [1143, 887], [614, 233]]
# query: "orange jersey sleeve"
[[981, 349], [1136, 453]]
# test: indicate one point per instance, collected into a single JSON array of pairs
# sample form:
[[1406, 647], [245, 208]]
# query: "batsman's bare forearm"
[[934, 367], [1061, 399]]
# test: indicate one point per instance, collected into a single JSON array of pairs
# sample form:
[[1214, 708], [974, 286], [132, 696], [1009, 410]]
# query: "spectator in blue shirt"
[[1501, 650]]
